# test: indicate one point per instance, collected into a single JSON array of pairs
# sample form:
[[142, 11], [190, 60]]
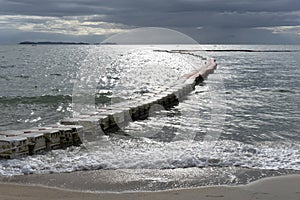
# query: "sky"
[[206, 21]]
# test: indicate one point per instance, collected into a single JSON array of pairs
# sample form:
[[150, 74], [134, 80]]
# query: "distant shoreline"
[[62, 43]]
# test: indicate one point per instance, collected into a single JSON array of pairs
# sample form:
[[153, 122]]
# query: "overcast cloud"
[[207, 21]]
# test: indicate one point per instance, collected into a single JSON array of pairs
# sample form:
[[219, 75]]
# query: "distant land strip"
[[225, 50], [249, 50], [168, 51], [62, 43]]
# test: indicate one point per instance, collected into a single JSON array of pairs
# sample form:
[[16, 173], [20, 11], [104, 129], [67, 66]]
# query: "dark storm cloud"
[[194, 19], [228, 16], [88, 7], [167, 13]]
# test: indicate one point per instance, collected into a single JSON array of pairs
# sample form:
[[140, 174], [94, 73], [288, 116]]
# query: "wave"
[[48, 99], [36, 99], [7, 66], [4, 78], [55, 74], [22, 76], [280, 90], [113, 153]]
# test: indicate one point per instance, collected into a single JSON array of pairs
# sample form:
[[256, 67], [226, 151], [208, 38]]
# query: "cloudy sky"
[[207, 21]]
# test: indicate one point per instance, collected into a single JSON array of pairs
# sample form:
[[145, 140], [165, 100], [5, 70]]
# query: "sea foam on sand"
[[278, 188]]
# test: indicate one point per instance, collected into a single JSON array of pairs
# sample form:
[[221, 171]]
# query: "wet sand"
[[276, 188], [124, 180]]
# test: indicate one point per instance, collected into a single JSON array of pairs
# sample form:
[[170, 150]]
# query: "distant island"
[[64, 43]]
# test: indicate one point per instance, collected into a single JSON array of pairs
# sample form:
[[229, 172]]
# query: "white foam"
[[150, 154]]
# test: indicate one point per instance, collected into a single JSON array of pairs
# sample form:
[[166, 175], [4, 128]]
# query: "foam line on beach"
[[276, 188]]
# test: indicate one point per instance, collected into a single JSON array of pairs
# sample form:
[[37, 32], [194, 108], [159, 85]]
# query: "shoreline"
[[147, 180], [275, 188]]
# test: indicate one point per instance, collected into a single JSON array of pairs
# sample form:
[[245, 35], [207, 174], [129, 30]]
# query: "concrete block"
[[70, 121], [37, 142], [52, 137], [126, 111], [65, 136], [115, 117], [88, 113], [13, 147], [11, 133], [76, 131]]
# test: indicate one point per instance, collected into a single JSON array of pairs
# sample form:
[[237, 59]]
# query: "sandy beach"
[[276, 188]]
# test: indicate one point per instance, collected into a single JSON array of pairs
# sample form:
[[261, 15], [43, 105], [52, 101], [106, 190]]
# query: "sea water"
[[245, 115]]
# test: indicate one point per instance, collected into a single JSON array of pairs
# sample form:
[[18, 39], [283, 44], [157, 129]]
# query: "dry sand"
[[277, 188]]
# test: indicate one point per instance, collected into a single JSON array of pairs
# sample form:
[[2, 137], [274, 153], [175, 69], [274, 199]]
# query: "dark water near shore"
[[256, 92]]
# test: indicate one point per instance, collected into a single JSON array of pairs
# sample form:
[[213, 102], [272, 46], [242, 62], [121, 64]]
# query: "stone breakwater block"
[[5, 145], [74, 128], [149, 103], [143, 102], [13, 147], [52, 137], [65, 136], [77, 130], [103, 121], [70, 121], [134, 110], [92, 129], [175, 92], [171, 97], [22, 143], [115, 117], [88, 113], [179, 91], [187, 88], [141, 107], [198, 79], [192, 80], [78, 119], [100, 121], [126, 111], [36, 140], [37, 143], [11, 133], [162, 99], [165, 96], [155, 100], [145, 105], [91, 124]]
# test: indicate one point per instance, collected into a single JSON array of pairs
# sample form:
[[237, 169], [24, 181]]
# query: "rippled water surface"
[[246, 114]]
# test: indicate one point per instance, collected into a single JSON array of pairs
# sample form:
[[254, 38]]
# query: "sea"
[[244, 117]]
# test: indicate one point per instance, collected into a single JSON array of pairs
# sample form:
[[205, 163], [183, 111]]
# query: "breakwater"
[[83, 127]]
